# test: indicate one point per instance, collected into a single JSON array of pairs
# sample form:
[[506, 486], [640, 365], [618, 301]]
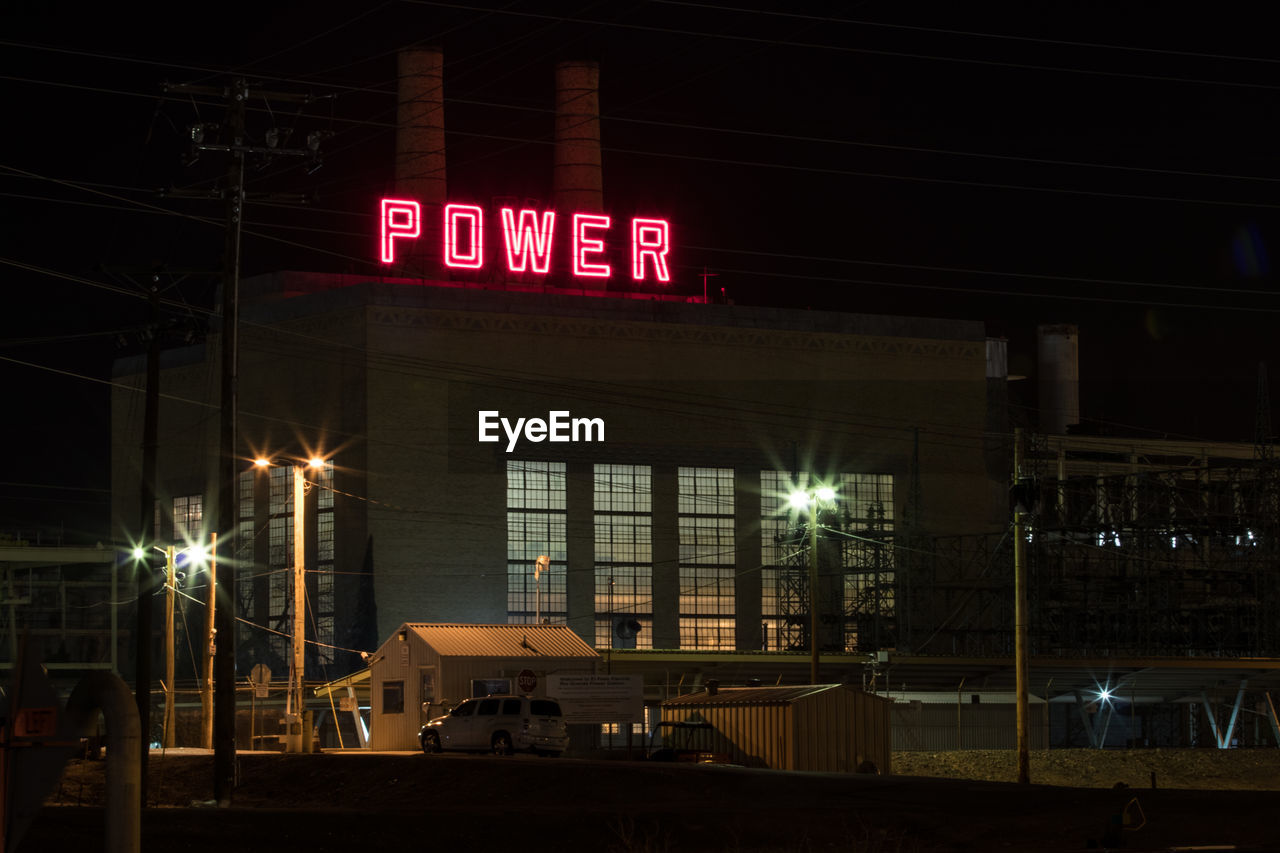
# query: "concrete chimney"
[[420, 163], [577, 181], [1058, 355]]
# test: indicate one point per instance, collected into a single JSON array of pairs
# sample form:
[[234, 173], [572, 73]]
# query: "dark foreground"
[[407, 802]]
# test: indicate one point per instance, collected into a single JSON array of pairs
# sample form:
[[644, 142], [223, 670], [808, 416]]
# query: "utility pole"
[[210, 632], [1022, 677], [147, 536], [814, 599], [299, 738], [235, 145], [224, 712], [169, 558], [224, 666]]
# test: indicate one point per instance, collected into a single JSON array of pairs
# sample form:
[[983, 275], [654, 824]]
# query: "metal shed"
[[425, 669], [828, 727]]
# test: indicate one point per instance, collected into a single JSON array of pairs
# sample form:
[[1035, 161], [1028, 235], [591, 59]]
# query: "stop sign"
[[526, 681]]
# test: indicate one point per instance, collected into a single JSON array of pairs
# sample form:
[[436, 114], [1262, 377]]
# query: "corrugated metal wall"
[[833, 730], [399, 661], [938, 726], [840, 729]]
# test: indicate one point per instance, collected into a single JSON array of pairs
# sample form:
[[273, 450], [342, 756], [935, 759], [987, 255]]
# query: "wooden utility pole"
[[236, 146], [169, 557], [298, 670], [224, 717], [814, 598], [1021, 668], [147, 536], [210, 613]]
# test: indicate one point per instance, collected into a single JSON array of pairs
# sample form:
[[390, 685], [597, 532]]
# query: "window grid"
[[707, 558], [280, 560], [623, 552], [623, 488], [323, 606], [536, 485], [188, 513], [866, 500], [536, 526], [243, 555]]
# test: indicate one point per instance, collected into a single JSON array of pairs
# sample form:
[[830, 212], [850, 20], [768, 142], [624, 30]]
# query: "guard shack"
[[425, 669], [827, 727]]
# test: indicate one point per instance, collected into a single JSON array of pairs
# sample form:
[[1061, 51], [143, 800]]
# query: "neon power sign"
[[527, 237]]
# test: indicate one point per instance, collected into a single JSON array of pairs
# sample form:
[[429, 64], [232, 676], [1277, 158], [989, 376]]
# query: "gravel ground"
[[934, 802], [1199, 769]]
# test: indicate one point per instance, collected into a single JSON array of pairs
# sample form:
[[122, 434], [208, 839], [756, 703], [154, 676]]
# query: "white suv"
[[501, 724]]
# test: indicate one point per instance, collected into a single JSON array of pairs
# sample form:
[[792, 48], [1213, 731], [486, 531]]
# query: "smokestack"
[[1058, 354], [577, 180], [420, 164]]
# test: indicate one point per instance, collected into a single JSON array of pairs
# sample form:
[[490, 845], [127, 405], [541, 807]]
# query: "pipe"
[[102, 690]]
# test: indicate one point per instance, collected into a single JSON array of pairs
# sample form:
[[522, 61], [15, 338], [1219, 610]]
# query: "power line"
[[945, 31], [813, 46]]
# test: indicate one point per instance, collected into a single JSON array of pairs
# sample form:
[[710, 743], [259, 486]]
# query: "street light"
[[812, 502], [199, 557], [542, 564], [297, 740]]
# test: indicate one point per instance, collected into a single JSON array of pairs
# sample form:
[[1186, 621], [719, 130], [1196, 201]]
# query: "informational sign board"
[[588, 698], [528, 239]]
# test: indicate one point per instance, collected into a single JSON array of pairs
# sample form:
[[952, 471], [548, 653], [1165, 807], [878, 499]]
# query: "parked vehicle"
[[498, 724], [686, 741]]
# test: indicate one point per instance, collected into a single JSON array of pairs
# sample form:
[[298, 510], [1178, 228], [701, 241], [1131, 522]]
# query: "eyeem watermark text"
[[558, 426]]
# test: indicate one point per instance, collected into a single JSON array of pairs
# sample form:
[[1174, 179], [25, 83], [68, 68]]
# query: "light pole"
[[210, 631], [1022, 678], [171, 554], [812, 501], [169, 559], [297, 740], [543, 564]]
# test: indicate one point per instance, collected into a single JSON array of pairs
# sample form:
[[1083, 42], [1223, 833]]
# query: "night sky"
[[1109, 168]]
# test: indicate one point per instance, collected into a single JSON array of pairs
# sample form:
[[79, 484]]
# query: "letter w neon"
[[528, 245]]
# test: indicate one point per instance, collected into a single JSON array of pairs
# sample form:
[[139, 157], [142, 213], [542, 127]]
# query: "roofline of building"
[[284, 295]]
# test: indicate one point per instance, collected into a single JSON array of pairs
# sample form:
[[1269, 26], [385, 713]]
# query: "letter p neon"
[[400, 219]]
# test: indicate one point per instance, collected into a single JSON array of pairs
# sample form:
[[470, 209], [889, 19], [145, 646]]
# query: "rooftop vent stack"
[[420, 163], [577, 179], [1058, 355]]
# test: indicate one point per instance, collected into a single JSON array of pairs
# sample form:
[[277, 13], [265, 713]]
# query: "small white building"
[[424, 669]]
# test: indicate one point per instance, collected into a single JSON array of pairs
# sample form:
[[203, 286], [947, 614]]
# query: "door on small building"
[[427, 694]]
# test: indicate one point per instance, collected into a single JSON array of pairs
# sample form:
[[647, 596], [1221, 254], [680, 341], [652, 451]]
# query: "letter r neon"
[[649, 238]]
